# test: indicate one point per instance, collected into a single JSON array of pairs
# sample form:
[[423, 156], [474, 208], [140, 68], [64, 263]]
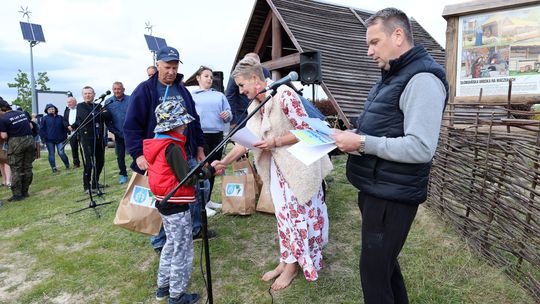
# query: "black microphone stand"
[[92, 205], [197, 170]]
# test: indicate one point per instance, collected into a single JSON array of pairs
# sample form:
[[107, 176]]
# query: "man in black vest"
[[392, 149]]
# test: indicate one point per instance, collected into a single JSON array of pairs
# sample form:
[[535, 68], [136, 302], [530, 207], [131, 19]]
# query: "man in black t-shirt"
[[16, 129]]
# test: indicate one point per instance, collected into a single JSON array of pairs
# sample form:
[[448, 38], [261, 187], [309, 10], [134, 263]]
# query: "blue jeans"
[[159, 240], [51, 149], [120, 149]]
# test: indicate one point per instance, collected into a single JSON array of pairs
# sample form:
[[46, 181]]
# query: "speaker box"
[[217, 84], [310, 67]]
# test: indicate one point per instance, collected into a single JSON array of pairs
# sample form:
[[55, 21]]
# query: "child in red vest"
[[167, 166]]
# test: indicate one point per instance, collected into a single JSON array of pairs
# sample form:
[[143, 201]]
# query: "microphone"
[[103, 95], [291, 77]]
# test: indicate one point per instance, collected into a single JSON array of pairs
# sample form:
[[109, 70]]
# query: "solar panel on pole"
[[32, 32], [27, 31], [160, 42], [38, 32], [154, 43]]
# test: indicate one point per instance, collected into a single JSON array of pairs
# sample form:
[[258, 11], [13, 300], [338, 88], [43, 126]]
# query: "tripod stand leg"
[[91, 205], [206, 245]]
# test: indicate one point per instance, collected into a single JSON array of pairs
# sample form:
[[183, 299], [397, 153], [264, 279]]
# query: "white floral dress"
[[302, 229]]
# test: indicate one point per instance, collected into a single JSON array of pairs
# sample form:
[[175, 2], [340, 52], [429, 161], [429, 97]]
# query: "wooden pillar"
[[276, 44]]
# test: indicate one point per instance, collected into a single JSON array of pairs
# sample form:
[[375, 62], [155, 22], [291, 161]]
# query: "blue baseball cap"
[[168, 53]]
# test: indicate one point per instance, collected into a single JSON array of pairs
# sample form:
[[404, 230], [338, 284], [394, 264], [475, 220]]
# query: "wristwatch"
[[362, 144]]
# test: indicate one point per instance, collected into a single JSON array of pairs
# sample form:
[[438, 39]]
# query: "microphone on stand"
[[293, 76], [103, 96]]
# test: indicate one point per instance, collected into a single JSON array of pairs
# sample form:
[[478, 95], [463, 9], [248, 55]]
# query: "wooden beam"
[[498, 99], [452, 26], [482, 6], [336, 106], [283, 62], [263, 35], [276, 44]]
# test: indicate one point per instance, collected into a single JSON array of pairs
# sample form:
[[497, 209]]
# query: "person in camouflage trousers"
[[16, 128], [167, 166]]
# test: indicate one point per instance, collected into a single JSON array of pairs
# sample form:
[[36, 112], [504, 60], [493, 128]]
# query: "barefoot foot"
[[272, 274], [286, 277]]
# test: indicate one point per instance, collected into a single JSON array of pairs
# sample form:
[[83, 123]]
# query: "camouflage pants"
[[177, 254], [21, 154]]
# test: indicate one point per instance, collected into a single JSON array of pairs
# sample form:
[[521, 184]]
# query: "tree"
[[24, 90]]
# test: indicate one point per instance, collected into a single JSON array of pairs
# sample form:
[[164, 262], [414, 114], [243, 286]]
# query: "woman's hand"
[[224, 115], [266, 144], [219, 165]]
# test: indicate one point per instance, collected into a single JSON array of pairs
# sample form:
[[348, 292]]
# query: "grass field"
[[48, 257]]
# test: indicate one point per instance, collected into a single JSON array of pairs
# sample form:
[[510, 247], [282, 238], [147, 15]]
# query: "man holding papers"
[[396, 139], [296, 188]]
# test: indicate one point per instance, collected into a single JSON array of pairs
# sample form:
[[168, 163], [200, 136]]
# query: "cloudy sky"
[[97, 42]]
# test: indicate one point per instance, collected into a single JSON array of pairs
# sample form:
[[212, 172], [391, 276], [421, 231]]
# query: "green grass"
[[48, 257]]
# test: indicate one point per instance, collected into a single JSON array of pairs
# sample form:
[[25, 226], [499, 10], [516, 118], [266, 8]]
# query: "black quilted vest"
[[402, 182]]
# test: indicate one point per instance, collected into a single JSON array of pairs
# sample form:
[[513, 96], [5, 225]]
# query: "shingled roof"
[[338, 32]]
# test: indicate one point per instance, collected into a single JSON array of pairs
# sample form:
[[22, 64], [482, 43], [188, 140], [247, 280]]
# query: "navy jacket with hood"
[[52, 127], [141, 119]]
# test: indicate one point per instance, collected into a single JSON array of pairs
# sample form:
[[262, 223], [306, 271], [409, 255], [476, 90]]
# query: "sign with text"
[[496, 47]]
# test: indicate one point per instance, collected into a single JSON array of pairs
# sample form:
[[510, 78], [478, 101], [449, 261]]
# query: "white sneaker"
[[210, 212], [213, 205]]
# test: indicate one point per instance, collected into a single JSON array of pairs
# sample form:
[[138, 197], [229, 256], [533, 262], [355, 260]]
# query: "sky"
[[98, 42]]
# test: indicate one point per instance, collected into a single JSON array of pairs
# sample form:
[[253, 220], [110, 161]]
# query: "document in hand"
[[245, 138], [313, 144]]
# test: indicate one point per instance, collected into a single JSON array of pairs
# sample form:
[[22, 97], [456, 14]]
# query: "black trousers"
[[74, 144], [385, 226], [212, 140], [94, 158]]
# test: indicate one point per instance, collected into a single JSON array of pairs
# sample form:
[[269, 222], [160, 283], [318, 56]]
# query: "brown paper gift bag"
[[238, 194], [242, 167], [265, 203], [137, 211]]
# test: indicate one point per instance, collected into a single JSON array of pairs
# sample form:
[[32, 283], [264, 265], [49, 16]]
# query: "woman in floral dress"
[[296, 189]]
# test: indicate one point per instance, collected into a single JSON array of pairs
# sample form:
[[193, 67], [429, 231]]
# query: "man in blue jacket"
[[140, 122], [53, 132], [392, 149], [118, 105]]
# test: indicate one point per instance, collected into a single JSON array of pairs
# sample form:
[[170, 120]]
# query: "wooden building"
[[279, 30]]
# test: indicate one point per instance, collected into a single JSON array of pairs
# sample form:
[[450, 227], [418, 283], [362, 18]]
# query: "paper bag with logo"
[[238, 194], [242, 167], [265, 203], [137, 211]]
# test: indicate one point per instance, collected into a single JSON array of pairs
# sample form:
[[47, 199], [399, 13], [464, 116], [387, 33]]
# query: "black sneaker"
[[162, 293], [185, 298], [158, 250], [210, 233], [15, 198]]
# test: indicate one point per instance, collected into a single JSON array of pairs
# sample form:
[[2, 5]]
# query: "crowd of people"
[[167, 130]]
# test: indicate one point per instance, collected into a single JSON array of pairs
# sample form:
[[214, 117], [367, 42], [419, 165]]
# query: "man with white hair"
[[70, 115]]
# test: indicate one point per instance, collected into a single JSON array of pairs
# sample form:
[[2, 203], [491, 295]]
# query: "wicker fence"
[[485, 180]]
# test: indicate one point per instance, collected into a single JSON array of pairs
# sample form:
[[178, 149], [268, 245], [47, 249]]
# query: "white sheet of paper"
[[318, 125], [245, 137], [309, 154]]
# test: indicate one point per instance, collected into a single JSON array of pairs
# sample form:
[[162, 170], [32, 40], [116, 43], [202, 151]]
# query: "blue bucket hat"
[[171, 114], [168, 53]]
